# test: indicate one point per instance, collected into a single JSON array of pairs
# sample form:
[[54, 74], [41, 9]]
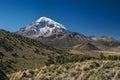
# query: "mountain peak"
[[50, 22], [43, 27]]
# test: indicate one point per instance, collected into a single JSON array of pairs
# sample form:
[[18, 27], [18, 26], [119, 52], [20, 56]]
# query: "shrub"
[[59, 78], [72, 74], [36, 51], [15, 55]]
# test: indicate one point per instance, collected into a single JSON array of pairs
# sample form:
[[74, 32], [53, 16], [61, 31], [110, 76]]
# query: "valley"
[[90, 52]]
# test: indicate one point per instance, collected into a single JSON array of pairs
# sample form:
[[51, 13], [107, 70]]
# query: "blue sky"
[[89, 17]]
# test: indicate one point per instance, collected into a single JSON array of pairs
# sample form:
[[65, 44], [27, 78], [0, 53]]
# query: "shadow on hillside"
[[3, 76]]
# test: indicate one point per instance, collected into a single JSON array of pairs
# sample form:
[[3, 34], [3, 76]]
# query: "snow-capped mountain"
[[43, 27], [52, 33], [55, 34]]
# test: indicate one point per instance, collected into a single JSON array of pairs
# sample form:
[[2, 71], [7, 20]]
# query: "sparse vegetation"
[[59, 72], [18, 52]]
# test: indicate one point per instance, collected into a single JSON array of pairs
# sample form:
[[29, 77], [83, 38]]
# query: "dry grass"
[[74, 51], [87, 70], [109, 52], [112, 51]]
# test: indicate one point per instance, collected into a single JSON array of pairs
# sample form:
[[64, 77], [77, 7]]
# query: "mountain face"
[[65, 40], [52, 33]]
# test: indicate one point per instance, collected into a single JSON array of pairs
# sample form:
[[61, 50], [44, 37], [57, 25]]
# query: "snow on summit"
[[43, 19], [50, 22]]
